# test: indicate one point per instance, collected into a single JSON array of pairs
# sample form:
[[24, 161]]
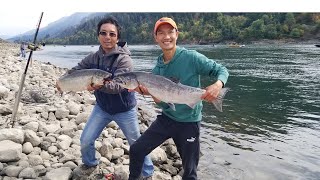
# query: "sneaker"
[[83, 172]]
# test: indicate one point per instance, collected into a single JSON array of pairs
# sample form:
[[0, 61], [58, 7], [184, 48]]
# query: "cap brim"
[[162, 23]]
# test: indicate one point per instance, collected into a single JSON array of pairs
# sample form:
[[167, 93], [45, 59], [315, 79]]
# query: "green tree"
[[290, 21]]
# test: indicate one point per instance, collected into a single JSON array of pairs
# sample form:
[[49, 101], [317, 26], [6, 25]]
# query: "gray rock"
[[117, 153], [45, 155], [82, 117], [106, 150], [70, 164], [31, 136], [27, 148], [23, 163], [5, 110], [117, 142], [9, 178], [67, 156], [4, 92], [113, 125], [40, 170], [51, 116], [65, 144], [68, 124], [121, 172], [27, 173], [158, 156], [56, 165], [45, 145], [62, 113], [1, 167], [45, 114], [10, 151], [12, 171], [49, 128], [160, 175], [32, 126], [170, 169], [73, 107], [51, 139], [14, 134], [35, 160], [63, 173], [52, 149], [27, 119]]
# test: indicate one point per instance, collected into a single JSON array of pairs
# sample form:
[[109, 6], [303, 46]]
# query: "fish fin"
[[192, 105], [172, 106], [218, 102], [175, 80]]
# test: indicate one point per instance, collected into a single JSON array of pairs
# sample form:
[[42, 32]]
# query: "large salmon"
[[79, 80], [166, 90]]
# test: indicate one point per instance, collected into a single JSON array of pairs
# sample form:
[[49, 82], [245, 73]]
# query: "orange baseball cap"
[[164, 20]]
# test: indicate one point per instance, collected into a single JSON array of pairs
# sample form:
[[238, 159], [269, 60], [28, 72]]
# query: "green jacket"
[[186, 67]]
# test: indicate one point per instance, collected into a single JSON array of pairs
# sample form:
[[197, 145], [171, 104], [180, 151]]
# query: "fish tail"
[[218, 102]]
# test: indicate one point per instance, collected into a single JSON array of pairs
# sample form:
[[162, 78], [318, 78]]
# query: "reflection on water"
[[271, 116], [270, 127]]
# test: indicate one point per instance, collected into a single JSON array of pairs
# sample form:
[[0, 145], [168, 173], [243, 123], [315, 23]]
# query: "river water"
[[270, 127]]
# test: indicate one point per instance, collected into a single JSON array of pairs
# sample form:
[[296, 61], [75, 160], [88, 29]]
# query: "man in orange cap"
[[182, 124]]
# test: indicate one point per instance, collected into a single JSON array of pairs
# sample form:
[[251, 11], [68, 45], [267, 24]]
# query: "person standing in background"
[[23, 50]]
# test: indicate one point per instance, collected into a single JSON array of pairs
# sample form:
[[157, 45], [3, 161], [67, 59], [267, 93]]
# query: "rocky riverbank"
[[45, 140]]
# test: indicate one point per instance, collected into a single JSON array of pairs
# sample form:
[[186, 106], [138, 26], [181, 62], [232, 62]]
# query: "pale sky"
[[19, 16]]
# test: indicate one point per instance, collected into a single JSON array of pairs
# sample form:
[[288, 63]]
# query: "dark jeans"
[[184, 134]]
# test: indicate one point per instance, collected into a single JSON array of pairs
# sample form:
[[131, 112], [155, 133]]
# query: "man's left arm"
[[210, 68]]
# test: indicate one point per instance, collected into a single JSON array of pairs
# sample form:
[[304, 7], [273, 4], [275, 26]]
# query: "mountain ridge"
[[53, 29]]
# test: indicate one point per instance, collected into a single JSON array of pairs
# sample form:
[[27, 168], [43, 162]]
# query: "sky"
[[19, 16]]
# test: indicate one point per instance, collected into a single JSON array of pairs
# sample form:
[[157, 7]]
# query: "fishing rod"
[[23, 77]]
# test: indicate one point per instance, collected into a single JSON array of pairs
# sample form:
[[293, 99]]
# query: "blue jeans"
[[98, 120]]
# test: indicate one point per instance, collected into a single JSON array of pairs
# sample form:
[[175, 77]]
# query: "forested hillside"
[[202, 28]]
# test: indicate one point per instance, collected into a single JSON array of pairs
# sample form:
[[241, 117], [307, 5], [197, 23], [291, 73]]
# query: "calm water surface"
[[270, 127]]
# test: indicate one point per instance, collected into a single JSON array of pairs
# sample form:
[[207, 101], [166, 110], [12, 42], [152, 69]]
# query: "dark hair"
[[110, 20]]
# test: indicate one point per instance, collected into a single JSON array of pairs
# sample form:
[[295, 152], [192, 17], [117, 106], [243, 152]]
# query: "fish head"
[[126, 80], [100, 77]]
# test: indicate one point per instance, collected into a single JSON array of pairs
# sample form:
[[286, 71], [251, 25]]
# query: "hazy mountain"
[[53, 29], [4, 36]]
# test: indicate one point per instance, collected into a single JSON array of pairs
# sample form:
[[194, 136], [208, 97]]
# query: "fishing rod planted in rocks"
[[23, 77]]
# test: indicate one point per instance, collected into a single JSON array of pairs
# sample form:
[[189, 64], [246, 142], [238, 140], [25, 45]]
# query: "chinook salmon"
[[166, 90], [79, 80]]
